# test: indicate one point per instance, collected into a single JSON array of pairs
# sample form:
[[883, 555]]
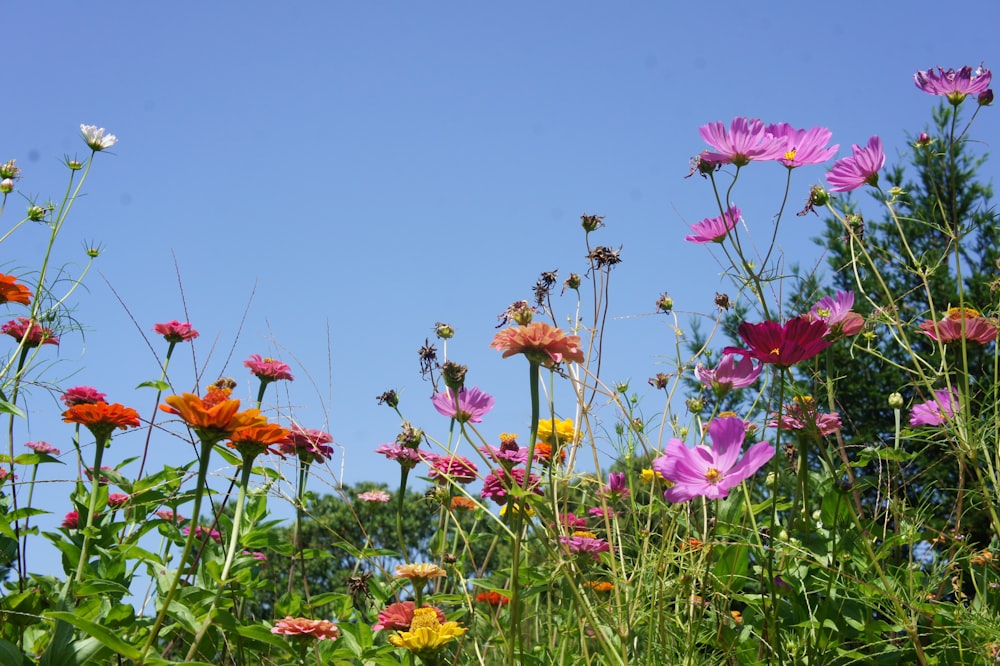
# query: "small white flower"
[[96, 138]]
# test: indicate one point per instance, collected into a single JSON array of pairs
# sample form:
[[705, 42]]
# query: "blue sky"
[[367, 169]]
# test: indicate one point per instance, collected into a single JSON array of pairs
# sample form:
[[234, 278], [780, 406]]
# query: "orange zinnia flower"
[[257, 439], [460, 502], [101, 418], [11, 292], [540, 342], [212, 420]]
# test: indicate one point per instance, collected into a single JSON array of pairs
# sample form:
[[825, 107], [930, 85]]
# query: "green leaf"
[[101, 633], [9, 654], [98, 586], [156, 384], [8, 408], [262, 634]]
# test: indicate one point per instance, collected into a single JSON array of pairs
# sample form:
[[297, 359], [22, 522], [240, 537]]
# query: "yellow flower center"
[[776, 351], [589, 535], [726, 415], [424, 618], [712, 475], [962, 313], [823, 312], [790, 155]]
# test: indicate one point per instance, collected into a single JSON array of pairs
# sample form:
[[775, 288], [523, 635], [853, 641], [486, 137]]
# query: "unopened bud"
[[36, 213], [664, 303], [895, 400], [454, 375], [622, 387], [986, 97], [523, 313], [7, 185], [923, 140], [444, 331], [9, 169], [74, 165], [573, 281], [695, 405], [591, 222]]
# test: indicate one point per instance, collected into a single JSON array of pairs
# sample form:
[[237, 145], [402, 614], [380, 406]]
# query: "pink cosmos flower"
[[31, 332], [472, 404], [804, 146], [175, 331], [617, 487], [714, 229], [499, 482], [375, 496], [43, 447], [404, 455], [784, 346], [835, 312], [729, 374], [746, 140], [975, 327], [862, 167], [601, 513], [937, 411], [711, 471], [954, 85], [82, 395], [804, 414], [268, 369], [308, 444], [116, 500], [447, 468], [572, 521]]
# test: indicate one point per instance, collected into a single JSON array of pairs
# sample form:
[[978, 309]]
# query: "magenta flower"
[[617, 487], [746, 140], [204, 533], [804, 414], [308, 444], [585, 543], [447, 468], [804, 146], [850, 173], [404, 455], [31, 332], [937, 411], [711, 472], [82, 395], [784, 346], [175, 331], [472, 404], [954, 85], [714, 229], [374, 496], [572, 521], [835, 312], [499, 482], [71, 520], [268, 369], [42, 447], [729, 374], [601, 513]]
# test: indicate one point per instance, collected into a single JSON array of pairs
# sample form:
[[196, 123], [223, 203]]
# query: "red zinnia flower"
[[493, 598], [11, 292], [82, 395], [784, 346], [31, 332], [176, 331], [540, 342], [101, 418]]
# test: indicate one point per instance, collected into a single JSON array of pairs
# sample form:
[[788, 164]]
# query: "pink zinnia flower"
[[937, 411], [784, 346], [954, 85], [175, 331], [398, 616], [82, 395], [204, 533], [71, 521], [862, 167], [957, 322], [170, 516], [499, 482], [472, 404], [321, 630], [804, 146], [375, 496], [31, 332], [509, 454], [585, 543], [540, 342], [835, 312], [116, 500], [572, 521], [714, 229], [447, 468], [43, 447], [746, 140], [804, 414], [404, 455], [729, 374], [601, 513], [268, 369], [308, 444], [711, 471]]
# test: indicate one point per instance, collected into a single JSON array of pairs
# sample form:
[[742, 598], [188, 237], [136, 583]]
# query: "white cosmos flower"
[[96, 137]]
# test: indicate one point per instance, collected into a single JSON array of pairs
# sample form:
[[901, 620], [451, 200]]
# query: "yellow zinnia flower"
[[564, 431], [426, 633]]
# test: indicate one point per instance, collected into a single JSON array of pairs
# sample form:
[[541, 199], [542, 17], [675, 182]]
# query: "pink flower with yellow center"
[[746, 140], [268, 369], [955, 85], [470, 406], [175, 331], [961, 323], [714, 229], [804, 146]]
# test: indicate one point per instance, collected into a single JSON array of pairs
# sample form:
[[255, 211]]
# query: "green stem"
[[95, 474], [156, 403]]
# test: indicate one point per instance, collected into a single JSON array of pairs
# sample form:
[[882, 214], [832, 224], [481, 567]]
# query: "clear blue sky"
[[369, 168]]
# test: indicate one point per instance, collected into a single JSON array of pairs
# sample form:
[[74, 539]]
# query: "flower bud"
[[659, 382], [665, 304], [74, 165], [622, 387], [591, 222], [818, 196], [895, 400], [695, 405], [36, 213], [454, 375], [444, 331], [522, 313], [572, 282], [923, 140], [6, 185], [9, 169], [986, 97]]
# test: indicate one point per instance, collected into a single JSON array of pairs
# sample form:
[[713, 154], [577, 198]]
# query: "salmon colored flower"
[[600, 585], [959, 323], [540, 342], [101, 419], [257, 439], [300, 627], [175, 331], [268, 369], [82, 395], [31, 332], [784, 346], [213, 418], [12, 292], [399, 615], [419, 573]]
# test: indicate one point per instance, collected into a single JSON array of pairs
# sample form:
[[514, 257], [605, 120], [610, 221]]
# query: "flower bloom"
[[321, 630], [617, 487], [835, 312], [746, 140], [804, 146], [850, 173], [214, 417], [103, 479], [959, 323], [600, 585], [399, 615], [42, 447], [603, 513], [175, 331], [257, 439], [729, 374], [71, 520], [493, 598], [97, 138], [374, 496], [116, 500], [954, 85], [427, 634], [101, 418], [714, 229], [447, 468], [509, 454], [572, 521], [770, 342], [169, 515], [555, 431], [419, 573], [711, 471], [404, 455], [31, 332], [498, 483], [935, 412], [308, 444], [82, 395], [12, 292], [650, 475], [585, 543], [204, 533], [543, 453], [268, 369], [540, 342], [471, 406], [460, 502], [803, 414]]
